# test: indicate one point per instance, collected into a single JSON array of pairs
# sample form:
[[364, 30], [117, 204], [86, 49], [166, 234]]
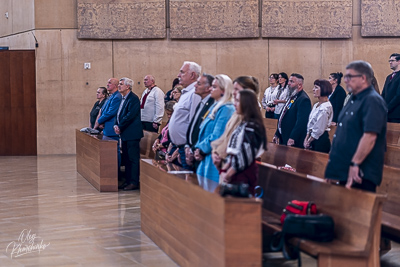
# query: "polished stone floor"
[[51, 216]]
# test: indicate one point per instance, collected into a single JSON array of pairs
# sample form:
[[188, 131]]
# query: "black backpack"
[[318, 228]]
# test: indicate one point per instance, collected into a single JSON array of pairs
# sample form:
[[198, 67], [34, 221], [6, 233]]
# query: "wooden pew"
[[196, 227], [97, 161], [357, 216], [393, 137], [146, 144], [392, 156], [314, 163]]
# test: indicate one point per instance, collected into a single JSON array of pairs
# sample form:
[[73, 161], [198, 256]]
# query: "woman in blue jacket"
[[213, 125]]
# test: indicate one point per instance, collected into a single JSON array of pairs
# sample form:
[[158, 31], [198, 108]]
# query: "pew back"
[[357, 214], [146, 144]]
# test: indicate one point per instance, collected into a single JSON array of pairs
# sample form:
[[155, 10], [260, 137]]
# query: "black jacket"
[[391, 94]]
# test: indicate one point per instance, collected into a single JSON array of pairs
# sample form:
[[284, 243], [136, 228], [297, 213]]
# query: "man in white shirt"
[[186, 107], [151, 105]]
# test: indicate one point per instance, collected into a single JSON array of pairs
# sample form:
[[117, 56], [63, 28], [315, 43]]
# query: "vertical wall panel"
[[18, 106]]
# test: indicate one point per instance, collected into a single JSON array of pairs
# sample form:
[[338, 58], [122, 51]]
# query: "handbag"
[[160, 155], [299, 207], [318, 228]]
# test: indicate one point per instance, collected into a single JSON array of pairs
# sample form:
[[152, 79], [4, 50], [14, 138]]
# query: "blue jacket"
[[109, 113], [211, 130]]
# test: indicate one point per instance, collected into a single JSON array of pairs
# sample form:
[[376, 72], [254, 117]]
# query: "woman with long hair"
[[213, 125], [338, 95], [247, 142], [281, 94], [219, 146], [320, 119], [270, 95]]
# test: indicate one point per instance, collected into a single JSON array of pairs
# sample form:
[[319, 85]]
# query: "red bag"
[[299, 207]]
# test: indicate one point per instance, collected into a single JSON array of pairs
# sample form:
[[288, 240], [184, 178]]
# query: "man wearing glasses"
[[391, 89], [358, 146]]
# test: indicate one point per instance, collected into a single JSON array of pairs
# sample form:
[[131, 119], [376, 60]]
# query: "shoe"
[[123, 185], [131, 187]]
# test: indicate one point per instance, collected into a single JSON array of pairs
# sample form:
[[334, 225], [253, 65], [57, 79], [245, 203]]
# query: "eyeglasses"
[[391, 60], [349, 76]]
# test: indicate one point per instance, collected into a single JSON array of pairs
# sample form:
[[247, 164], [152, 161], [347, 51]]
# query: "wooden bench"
[[392, 156], [314, 163], [357, 216], [97, 161], [146, 144], [196, 227]]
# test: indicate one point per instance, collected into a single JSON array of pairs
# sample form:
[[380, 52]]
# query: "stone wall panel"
[[203, 19], [380, 18], [121, 19], [307, 19]]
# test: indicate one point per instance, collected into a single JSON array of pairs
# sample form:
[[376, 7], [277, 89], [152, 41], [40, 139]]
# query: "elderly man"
[[186, 108], [358, 147], [151, 105], [292, 124], [203, 89], [391, 89], [129, 127]]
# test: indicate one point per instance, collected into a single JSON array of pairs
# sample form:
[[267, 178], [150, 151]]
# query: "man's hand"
[[353, 176], [275, 140], [290, 142], [189, 156], [116, 129]]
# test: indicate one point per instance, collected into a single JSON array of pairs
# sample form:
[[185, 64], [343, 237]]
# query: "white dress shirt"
[[153, 110], [183, 113]]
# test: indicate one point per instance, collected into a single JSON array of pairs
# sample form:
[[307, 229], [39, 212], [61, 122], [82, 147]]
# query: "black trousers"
[[131, 158], [322, 144], [148, 126]]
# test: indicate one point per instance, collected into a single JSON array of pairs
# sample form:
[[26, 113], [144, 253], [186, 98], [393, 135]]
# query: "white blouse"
[[283, 96], [269, 96], [320, 119]]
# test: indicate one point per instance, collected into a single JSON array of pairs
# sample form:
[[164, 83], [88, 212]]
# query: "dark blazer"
[[109, 112], [294, 122], [337, 100], [129, 119], [391, 94], [196, 124]]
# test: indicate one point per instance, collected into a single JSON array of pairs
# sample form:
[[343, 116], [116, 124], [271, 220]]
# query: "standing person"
[[292, 124], [281, 94], [101, 95], [129, 127], [186, 108], [320, 119], [391, 89], [220, 145], [151, 105], [109, 111], [248, 142], [203, 88], [358, 147], [338, 95], [168, 96], [270, 95], [214, 125]]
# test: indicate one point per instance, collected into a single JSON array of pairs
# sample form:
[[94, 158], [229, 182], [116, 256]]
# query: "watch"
[[353, 164]]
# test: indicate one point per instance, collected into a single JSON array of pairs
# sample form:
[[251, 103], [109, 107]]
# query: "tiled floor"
[[46, 200]]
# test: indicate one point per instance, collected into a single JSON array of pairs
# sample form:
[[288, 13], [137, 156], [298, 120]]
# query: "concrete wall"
[[66, 92]]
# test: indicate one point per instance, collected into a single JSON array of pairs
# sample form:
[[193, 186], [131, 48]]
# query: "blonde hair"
[[225, 83]]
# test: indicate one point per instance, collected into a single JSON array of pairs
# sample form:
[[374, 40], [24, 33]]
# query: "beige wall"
[[66, 92]]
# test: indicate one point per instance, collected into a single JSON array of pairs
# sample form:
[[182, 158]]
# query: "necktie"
[[144, 99], [393, 74], [120, 107]]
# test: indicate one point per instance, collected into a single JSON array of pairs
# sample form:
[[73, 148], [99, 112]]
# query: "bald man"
[[151, 105]]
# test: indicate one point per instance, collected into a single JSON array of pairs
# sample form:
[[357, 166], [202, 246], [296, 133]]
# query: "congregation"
[[215, 126]]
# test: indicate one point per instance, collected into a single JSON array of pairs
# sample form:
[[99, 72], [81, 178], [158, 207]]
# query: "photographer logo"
[[26, 243]]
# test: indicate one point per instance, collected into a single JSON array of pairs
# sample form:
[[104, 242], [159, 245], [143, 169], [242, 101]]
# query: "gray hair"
[[362, 67], [128, 82], [194, 67], [209, 78]]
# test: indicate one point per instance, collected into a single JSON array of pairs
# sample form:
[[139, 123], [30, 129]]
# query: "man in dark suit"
[[391, 89], [203, 89], [292, 124], [129, 127]]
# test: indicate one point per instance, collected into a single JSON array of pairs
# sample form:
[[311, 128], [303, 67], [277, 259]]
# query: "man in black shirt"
[[359, 144]]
